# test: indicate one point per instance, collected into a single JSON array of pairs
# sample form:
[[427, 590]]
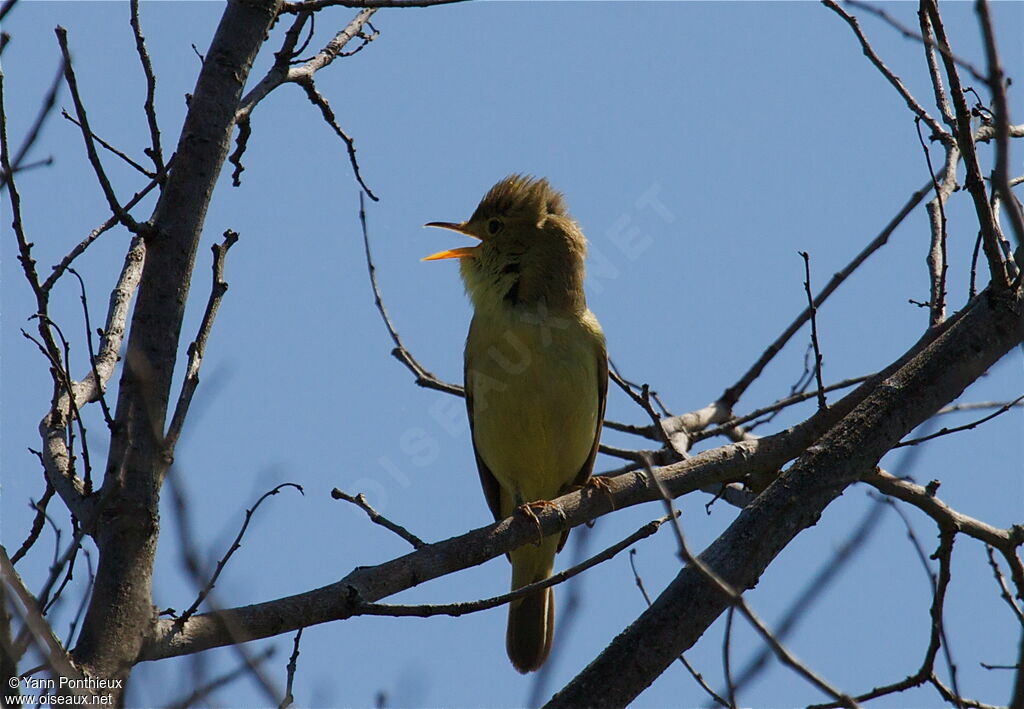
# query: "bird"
[[536, 377]]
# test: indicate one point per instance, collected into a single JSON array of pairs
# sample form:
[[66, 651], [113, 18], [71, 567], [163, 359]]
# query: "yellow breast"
[[533, 377]]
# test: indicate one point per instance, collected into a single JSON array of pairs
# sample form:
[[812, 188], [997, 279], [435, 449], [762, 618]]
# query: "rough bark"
[[990, 327], [120, 614]]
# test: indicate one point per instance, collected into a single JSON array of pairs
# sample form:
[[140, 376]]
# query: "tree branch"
[[982, 333]]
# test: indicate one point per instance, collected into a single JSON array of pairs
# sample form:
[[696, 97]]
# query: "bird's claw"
[[527, 510]]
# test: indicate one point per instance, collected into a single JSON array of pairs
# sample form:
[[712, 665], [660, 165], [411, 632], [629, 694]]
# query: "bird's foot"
[[597, 482], [527, 510]]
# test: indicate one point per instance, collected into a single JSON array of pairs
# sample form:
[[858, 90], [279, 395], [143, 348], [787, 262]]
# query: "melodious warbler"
[[536, 376]]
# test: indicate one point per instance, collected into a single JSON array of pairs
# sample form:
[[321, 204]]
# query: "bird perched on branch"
[[536, 376]]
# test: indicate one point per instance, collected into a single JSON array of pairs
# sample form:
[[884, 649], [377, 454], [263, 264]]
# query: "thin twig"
[[197, 348], [202, 692], [377, 518], [92, 351], [311, 5], [235, 546], [966, 427], [938, 262], [6, 7], [87, 134], [49, 100], [869, 52], [1004, 590], [730, 687], [281, 72], [925, 499], [737, 601], [28, 263], [682, 659], [155, 152], [974, 406], [731, 395], [939, 583], [822, 403], [997, 84], [112, 221], [190, 558], [37, 522], [776, 407], [814, 588], [643, 400], [941, 99], [423, 377], [458, 609], [908, 33], [320, 101], [965, 139], [293, 665], [42, 634], [110, 148]]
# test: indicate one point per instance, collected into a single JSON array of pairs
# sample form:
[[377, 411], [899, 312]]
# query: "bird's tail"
[[531, 619]]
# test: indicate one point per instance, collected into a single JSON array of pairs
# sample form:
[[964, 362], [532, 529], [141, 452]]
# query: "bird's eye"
[[493, 226]]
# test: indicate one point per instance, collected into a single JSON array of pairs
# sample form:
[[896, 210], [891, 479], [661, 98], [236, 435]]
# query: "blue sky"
[[699, 145]]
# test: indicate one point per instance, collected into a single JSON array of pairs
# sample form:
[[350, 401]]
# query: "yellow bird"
[[536, 376]]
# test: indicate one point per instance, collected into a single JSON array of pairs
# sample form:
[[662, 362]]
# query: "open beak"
[[461, 252]]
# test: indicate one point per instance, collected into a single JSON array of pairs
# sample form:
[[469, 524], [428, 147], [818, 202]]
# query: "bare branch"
[[282, 72], [6, 7], [293, 665], [55, 454], [202, 692], [423, 377], [1001, 172], [822, 403], [311, 5], [155, 151], [733, 393], [937, 130], [939, 584], [37, 523], [941, 99], [679, 444], [458, 609], [197, 349], [110, 148], [83, 121], [945, 516], [697, 676], [815, 588], [49, 100], [50, 647], [736, 601], [937, 261], [1004, 590], [974, 406], [911, 34], [777, 406], [318, 100], [65, 262], [965, 140], [377, 518], [966, 427], [92, 351], [690, 603], [235, 546], [874, 419]]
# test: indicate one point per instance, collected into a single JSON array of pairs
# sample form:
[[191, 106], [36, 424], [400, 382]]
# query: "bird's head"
[[530, 249]]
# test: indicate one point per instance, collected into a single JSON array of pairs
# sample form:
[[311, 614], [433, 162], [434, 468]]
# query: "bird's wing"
[[492, 491], [602, 397]]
